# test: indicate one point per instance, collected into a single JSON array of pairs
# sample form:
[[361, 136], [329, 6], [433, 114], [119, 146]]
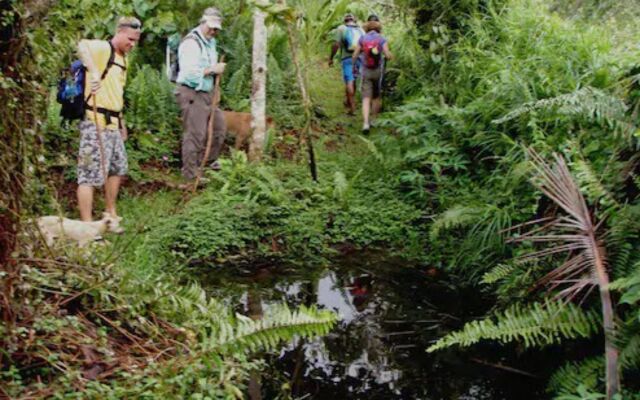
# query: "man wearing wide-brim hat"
[[198, 64]]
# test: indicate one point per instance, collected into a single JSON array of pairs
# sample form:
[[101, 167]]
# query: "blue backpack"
[[71, 92], [351, 37], [72, 85]]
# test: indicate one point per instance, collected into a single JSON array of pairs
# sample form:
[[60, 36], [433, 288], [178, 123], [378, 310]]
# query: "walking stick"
[[214, 105], [99, 134]]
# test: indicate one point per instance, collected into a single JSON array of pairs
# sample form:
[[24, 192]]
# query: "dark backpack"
[[71, 91], [173, 66], [372, 49], [72, 85]]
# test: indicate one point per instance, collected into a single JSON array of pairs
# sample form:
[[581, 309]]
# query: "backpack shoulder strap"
[[196, 37], [345, 31], [350, 28], [111, 62]]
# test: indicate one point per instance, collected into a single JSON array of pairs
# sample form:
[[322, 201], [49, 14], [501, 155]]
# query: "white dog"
[[53, 227]]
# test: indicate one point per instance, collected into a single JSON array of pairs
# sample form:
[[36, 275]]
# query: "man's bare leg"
[[111, 195], [351, 103], [85, 202], [366, 109]]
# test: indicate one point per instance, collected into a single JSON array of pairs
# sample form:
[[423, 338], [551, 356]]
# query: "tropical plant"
[[92, 314], [538, 324], [586, 267], [576, 234]]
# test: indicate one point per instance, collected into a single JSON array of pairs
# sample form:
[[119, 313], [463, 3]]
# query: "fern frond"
[[498, 273], [237, 88], [591, 184], [587, 102], [569, 377], [341, 185], [245, 335], [537, 324], [624, 226], [630, 352], [373, 149], [455, 216]]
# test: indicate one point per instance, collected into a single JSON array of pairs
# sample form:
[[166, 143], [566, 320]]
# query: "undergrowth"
[[275, 211]]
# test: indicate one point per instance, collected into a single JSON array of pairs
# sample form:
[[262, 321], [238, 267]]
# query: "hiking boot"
[[366, 129]]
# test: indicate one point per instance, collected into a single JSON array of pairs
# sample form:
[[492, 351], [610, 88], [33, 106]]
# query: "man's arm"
[[334, 50], [337, 42], [85, 55]]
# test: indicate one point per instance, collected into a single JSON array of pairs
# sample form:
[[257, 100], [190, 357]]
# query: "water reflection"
[[389, 314], [255, 312]]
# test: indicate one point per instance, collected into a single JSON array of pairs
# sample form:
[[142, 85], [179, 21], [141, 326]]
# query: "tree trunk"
[[259, 86]]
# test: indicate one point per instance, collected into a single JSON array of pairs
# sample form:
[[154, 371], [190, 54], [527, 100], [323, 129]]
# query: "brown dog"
[[240, 124]]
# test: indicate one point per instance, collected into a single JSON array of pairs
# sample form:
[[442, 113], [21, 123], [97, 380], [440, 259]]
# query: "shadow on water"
[[390, 313]]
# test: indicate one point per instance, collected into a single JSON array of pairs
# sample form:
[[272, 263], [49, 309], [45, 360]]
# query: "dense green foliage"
[[442, 180], [274, 211], [524, 76]]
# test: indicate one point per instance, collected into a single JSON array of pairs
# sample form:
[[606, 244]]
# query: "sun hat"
[[212, 17]]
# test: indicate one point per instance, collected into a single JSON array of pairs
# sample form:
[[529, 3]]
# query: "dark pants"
[[196, 109]]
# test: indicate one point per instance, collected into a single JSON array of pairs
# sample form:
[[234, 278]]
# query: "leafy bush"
[[153, 119], [523, 76], [277, 211], [121, 329]]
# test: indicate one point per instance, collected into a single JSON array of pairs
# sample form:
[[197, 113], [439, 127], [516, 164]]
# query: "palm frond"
[[577, 235], [574, 234]]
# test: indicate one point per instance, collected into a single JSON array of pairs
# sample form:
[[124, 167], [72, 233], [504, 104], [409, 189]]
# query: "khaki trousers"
[[196, 109]]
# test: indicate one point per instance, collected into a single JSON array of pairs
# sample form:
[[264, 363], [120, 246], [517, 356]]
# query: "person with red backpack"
[[102, 158], [346, 40], [372, 46]]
